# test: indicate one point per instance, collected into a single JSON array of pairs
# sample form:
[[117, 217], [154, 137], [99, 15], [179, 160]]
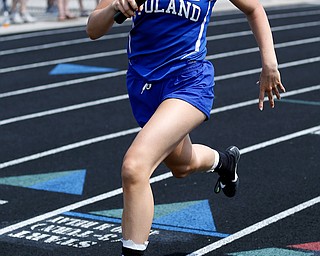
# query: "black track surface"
[[273, 178]]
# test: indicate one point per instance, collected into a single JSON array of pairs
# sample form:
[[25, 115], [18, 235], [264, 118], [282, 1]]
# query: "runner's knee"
[[133, 172]]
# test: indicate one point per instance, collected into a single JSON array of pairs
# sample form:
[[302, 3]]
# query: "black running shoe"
[[229, 180]]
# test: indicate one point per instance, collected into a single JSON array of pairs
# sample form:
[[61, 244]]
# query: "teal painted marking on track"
[[92, 217], [64, 69], [115, 213], [118, 221], [303, 102], [192, 217], [271, 252], [69, 182]]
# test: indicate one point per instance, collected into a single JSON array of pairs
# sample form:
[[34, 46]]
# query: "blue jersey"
[[167, 35]]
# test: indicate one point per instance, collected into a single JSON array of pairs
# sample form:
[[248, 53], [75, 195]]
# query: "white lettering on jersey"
[[181, 8], [157, 7], [196, 10], [185, 9], [171, 7], [148, 8]]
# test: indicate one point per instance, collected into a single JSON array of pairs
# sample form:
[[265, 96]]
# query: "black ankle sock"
[[223, 161], [131, 252]]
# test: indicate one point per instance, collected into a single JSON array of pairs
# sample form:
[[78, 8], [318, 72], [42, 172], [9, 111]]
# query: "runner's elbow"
[[92, 34]]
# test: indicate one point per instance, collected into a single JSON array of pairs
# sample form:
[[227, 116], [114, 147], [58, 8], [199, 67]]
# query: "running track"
[[64, 130]]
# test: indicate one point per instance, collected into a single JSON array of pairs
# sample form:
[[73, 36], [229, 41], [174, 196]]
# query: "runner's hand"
[[270, 85], [127, 7]]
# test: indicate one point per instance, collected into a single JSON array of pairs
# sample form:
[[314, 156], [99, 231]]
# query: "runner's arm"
[[270, 80], [101, 19]]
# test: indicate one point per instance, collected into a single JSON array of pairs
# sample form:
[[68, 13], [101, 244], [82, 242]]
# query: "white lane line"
[[59, 44], [3, 202], [63, 83], [255, 227], [125, 96], [270, 17], [40, 33], [279, 140], [153, 180], [256, 49], [134, 130], [123, 51], [125, 132], [255, 101], [61, 210], [273, 29], [64, 60], [258, 70], [216, 14], [123, 72], [69, 147], [64, 109], [121, 35]]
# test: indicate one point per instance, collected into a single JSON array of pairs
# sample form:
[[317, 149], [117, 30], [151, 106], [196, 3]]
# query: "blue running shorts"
[[193, 84]]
